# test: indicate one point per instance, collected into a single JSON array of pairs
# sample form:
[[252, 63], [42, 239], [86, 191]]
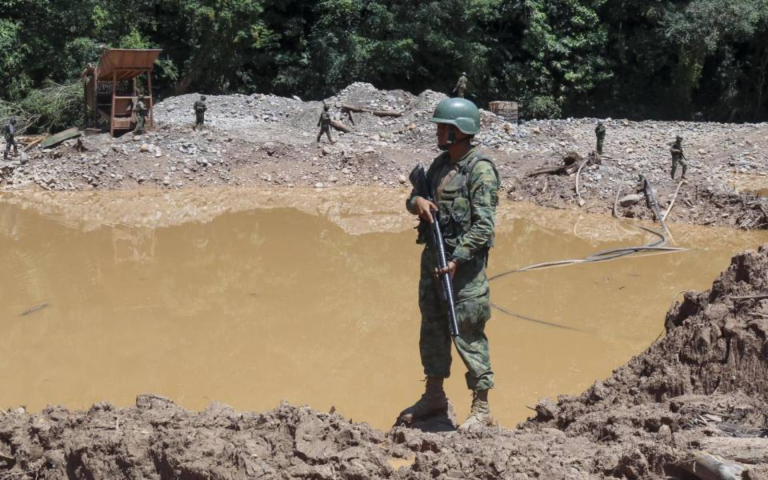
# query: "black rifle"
[[418, 179]]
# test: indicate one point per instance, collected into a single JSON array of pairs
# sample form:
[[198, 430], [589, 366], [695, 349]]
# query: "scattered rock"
[[629, 200]]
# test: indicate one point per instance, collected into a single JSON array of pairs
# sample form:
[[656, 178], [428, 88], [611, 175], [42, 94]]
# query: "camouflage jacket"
[[467, 211], [600, 131], [8, 131], [140, 108], [325, 119], [462, 83], [676, 151], [200, 107]]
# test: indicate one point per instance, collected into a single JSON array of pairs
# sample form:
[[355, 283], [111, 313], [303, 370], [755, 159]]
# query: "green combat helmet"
[[459, 112]]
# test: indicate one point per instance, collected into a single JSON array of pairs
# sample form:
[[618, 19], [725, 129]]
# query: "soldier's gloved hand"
[[450, 268], [424, 209]]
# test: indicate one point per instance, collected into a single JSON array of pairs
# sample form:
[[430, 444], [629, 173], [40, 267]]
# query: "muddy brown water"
[[250, 298]]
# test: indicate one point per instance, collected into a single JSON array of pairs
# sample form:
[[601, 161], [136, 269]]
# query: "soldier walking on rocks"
[[678, 157], [600, 133], [9, 132], [461, 85], [325, 125], [141, 116], [465, 184], [200, 109]]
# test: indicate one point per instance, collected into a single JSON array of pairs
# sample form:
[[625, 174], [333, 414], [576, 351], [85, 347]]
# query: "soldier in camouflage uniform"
[[141, 115], [465, 185], [9, 133], [461, 85], [678, 157], [600, 134], [200, 109], [325, 125]]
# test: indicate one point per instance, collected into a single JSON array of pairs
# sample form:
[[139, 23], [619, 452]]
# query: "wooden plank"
[[386, 113], [33, 143], [340, 126], [60, 137], [112, 113], [151, 105], [352, 108], [128, 62], [378, 113], [123, 123]]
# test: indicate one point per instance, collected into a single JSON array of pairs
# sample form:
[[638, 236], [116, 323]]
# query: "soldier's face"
[[443, 135]]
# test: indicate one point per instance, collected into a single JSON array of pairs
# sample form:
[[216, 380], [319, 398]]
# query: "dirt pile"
[[702, 388]]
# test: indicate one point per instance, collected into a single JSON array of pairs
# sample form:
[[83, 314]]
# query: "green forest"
[[637, 59]]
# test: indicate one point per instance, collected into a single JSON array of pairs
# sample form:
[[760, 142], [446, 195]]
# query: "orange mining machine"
[[112, 89]]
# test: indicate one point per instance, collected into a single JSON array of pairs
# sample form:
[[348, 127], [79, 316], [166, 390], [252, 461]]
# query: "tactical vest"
[[455, 207]]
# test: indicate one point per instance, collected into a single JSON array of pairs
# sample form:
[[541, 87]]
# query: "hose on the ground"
[[657, 246]]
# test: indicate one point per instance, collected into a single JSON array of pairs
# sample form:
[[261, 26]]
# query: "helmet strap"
[[452, 140]]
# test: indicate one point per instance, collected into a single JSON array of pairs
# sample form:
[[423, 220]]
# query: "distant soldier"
[[600, 133], [200, 109], [325, 125], [141, 114], [678, 157], [346, 111], [461, 85], [9, 132]]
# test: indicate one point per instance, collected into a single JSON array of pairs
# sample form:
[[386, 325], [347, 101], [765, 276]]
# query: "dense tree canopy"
[[678, 59]]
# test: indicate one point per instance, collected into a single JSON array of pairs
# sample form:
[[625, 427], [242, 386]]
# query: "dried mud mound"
[[702, 388]]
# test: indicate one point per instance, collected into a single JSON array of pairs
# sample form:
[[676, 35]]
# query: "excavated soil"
[[703, 387], [265, 140]]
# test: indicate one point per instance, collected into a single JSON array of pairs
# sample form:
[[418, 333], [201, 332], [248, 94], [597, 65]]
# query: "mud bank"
[[267, 141], [703, 387]]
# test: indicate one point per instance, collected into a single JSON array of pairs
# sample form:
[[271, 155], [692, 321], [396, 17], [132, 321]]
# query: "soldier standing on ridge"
[[600, 133], [141, 114], [200, 109], [464, 183], [9, 132], [678, 157], [461, 85], [325, 125]]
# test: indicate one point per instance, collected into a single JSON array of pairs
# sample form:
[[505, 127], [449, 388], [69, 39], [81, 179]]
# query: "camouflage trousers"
[[140, 123], [600, 142], [471, 344], [460, 92], [325, 130], [199, 120], [10, 142], [675, 162]]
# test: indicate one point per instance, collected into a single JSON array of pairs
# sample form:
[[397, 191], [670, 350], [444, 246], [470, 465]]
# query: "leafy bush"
[[49, 109], [541, 107]]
